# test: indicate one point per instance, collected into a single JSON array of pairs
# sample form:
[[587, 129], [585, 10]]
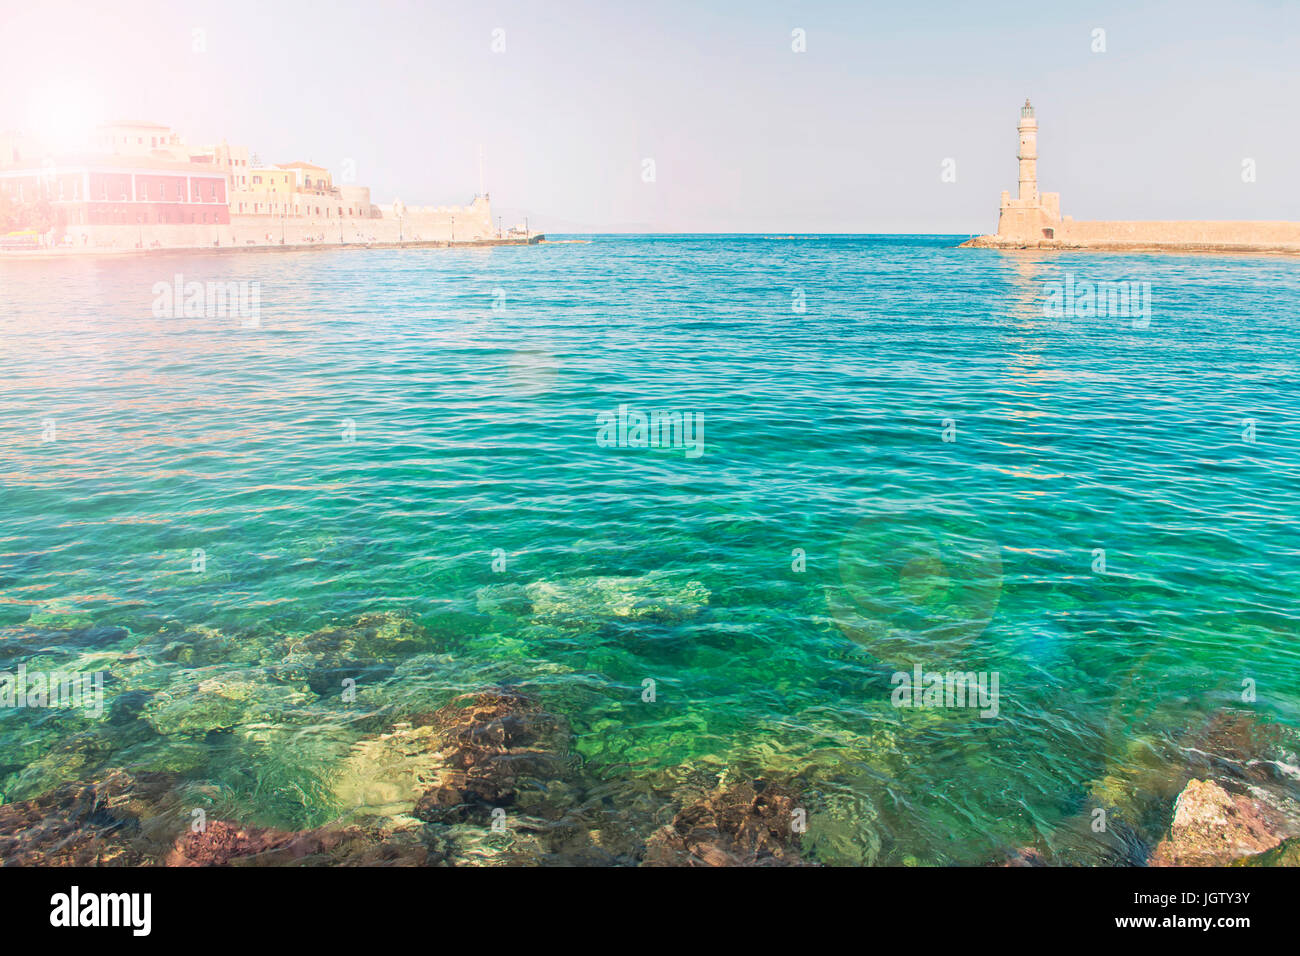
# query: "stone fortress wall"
[[1202, 233], [417, 224]]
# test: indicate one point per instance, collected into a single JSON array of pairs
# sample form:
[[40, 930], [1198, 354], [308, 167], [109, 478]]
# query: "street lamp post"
[[399, 210]]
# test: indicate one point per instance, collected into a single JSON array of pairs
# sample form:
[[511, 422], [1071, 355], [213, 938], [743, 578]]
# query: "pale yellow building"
[[298, 190]]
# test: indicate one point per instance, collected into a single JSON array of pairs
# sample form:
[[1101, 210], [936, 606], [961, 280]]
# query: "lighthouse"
[[1032, 220], [1028, 155], [1031, 215]]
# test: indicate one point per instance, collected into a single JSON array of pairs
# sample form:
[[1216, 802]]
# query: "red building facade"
[[112, 190]]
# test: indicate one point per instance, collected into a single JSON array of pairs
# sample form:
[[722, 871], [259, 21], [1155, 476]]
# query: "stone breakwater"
[[1118, 244]]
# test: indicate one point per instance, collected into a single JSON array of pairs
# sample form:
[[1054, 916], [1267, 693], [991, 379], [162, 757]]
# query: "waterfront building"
[[134, 175], [139, 185]]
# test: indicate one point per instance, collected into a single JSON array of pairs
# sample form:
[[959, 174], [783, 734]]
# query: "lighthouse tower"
[[1028, 155], [1031, 215]]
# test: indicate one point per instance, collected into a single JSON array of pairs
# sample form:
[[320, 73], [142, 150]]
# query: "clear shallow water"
[[475, 430]]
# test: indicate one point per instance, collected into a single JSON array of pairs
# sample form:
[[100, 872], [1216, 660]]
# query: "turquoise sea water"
[[472, 382]]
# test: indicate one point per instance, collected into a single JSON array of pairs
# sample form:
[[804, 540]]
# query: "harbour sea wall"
[[108, 252], [418, 224], [1119, 235], [438, 225]]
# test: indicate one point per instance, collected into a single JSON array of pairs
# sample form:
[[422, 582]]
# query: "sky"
[[568, 100]]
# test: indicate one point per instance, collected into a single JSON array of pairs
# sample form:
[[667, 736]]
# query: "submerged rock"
[[480, 752], [222, 843], [510, 600], [1223, 756], [1213, 827], [744, 824], [1025, 856], [491, 774], [200, 646], [122, 820], [57, 616], [374, 636], [575, 602], [364, 650], [1286, 853], [222, 702], [145, 819], [72, 758], [384, 775], [498, 749]]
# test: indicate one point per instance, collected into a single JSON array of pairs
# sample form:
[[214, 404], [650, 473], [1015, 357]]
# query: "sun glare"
[[64, 115]]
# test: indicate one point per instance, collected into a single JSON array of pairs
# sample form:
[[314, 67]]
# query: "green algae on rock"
[[223, 701]]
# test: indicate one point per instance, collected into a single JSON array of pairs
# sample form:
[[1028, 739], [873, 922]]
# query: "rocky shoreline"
[[495, 776], [489, 779], [493, 784], [1233, 803]]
